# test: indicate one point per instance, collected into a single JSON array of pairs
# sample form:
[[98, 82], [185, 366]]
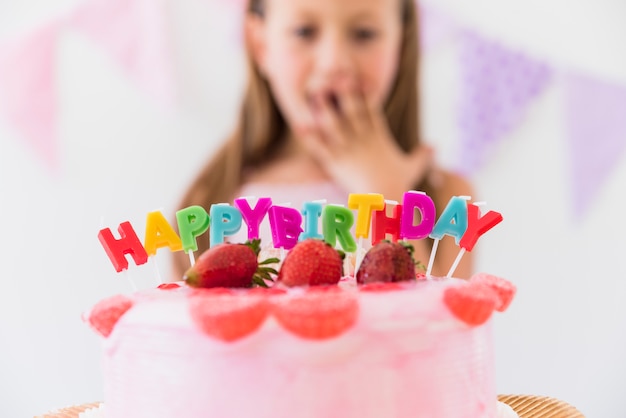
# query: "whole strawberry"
[[230, 265], [387, 262], [311, 262]]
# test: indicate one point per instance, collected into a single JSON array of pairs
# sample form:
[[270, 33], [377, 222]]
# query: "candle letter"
[[365, 204], [453, 220], [286, 226], [477, 225], [415, 200], [117, 249], [159, 233], [193, 221], [383, 224], [336, 224], [253, 217], [311, 212], [225, 220]]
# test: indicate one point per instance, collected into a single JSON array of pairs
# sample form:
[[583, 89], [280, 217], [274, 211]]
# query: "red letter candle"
[[383, 224], [117, 249], [477, 225]]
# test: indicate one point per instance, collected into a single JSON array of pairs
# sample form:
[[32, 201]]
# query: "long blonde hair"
[[261, 128]]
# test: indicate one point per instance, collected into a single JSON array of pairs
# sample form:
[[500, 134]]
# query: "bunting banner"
[[497, 85], [28, 89], [133, 33], [595, 123]]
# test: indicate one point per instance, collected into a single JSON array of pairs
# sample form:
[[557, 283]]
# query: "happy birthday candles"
[[414, 219]]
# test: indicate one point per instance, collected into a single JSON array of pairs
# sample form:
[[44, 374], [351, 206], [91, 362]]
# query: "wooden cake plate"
[[526, 406]]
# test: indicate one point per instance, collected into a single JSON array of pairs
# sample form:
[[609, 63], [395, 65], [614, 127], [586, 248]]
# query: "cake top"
[[316, 267]]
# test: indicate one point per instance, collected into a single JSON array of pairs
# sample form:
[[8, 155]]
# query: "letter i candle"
[[368, 216]]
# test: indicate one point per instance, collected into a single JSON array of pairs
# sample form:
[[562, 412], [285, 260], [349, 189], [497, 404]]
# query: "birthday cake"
[[295, 337]]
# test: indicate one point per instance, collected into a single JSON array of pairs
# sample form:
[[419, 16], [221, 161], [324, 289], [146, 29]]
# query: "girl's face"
[[311, 49]]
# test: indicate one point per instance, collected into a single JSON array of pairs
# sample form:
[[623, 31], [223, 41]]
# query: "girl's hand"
[[349, 137]]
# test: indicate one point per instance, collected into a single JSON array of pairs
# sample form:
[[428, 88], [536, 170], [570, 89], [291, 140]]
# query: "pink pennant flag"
[[28, 91], [134, 34], [497, 86], [595, 122]]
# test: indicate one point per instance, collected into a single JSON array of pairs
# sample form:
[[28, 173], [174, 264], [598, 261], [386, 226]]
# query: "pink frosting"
[[406, 356]]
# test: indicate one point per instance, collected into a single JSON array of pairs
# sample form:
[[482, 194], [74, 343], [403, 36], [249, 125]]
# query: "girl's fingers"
[[313, 141], [374, 113], [352, 110], [328, 120]]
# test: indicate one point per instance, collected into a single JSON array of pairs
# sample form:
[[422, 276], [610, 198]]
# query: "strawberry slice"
[[319, 313], [227, 315], [168, 286], [503, 288], [472, 303], [107, 312], [380, 287]]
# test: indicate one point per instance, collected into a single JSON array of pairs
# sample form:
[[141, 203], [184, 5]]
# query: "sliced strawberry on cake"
[[228, 315], [503, 288], [318, 313], [472, 303], [105, 314]]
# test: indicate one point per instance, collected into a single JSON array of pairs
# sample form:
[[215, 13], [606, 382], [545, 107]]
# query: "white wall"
[[121, 157]]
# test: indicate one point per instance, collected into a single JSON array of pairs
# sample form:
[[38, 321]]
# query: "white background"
[[123, 156]]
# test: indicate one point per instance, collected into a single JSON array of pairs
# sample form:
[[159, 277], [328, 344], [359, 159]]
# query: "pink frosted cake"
[[418, 349], [381, 342]]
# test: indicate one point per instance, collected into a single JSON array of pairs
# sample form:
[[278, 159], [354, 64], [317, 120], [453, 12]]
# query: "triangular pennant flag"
[[497, 85], [28, 89], [134, 34], [435, 26], [595, 123]]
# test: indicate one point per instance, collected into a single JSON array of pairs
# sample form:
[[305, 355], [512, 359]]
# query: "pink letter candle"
[[159, 233], [193, 221], [336, 224], [117, 249], [253, 217], [312, 211], [365, 204], [383, 224], [417, 200], [225, 220], [285, 223], [477, 225]]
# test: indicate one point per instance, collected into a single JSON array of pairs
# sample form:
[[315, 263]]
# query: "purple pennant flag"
[[595, 113], [497, 85]]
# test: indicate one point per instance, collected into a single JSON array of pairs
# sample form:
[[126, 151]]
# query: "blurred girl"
[[331, 107]]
